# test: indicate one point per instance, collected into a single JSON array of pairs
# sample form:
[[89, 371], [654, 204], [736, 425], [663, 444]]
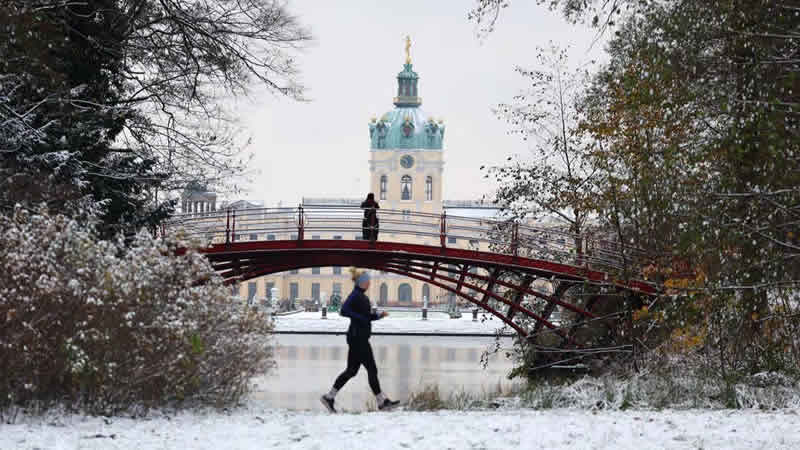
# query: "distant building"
[[196, 198], [406, 174]]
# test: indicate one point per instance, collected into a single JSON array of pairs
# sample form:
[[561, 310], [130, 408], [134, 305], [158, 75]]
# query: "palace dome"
[[407, 126]]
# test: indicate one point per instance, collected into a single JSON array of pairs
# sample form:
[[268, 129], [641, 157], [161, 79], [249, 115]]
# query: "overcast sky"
[[321, 147]]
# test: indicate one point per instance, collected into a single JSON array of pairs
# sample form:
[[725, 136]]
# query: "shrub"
[[675, 386], [428, 399], [111, 325]]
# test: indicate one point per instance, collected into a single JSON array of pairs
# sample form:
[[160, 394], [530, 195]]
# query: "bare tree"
[[183, 57], [123, 99], [557, 182], [602, 14]]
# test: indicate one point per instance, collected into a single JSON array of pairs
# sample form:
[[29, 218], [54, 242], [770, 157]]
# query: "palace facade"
[[406, 164]]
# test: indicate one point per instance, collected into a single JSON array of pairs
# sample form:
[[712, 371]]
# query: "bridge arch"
[[496, 272]]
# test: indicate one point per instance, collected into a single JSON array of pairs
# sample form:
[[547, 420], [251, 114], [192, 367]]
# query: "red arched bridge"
[[534, 279]]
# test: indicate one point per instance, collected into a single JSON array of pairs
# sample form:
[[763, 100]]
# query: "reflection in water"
[[308, 364]]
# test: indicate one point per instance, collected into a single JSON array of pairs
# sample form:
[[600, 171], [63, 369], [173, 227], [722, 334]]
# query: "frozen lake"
[[308, 364]]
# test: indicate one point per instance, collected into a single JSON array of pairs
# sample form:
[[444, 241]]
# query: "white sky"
[[321, 147]]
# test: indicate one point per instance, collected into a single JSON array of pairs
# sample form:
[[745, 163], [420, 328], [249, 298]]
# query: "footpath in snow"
[[254, 428], [310, 322]]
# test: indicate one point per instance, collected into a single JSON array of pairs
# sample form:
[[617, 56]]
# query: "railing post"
[[515, 238], [227, 226], [233, 226], [300, 223], [443, 229]]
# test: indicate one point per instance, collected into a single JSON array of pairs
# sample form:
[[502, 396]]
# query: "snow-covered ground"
[[254, 428], [257, 426], [312, 322]]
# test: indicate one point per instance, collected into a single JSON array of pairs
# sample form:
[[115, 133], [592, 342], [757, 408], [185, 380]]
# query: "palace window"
[[383, 187], [429, 188], [251, 292], [405, 188], [384, 296], [404, 293]]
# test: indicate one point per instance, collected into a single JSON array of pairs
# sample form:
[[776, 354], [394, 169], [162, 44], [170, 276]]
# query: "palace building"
[[406, 163]]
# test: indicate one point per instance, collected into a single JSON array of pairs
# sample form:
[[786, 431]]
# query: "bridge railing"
[[348, 223]]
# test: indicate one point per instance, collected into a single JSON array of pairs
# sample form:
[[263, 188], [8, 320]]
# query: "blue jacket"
[[359, 310]]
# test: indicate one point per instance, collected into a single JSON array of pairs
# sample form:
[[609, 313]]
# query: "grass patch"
[[431, 398]]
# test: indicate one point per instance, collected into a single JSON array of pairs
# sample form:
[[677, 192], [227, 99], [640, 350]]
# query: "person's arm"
[[374, 315]]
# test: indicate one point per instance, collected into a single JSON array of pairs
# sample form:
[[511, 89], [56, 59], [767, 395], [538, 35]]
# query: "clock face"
[[407, 161]]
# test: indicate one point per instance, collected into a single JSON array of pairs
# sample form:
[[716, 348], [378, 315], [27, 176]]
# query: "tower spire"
[[407, 94]]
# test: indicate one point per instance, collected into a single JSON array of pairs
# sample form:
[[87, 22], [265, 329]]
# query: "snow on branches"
[[108, 325]]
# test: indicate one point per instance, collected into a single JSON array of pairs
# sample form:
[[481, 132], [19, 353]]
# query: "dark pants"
[[358, 353], [369, 233]]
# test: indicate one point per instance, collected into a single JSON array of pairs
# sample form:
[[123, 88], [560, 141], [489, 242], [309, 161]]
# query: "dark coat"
[[370, 212], [359, 310]]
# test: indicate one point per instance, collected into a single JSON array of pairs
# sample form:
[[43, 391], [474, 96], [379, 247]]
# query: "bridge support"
[[486, 280]]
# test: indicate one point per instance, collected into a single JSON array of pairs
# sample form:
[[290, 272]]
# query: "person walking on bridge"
[[359, 310], [370, 222]]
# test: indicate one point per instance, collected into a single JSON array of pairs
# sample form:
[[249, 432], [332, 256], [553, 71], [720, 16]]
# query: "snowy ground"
[[258, 427], [311, 322], [254, 428]]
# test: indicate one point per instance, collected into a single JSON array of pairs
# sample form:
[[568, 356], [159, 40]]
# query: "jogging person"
[[359, 310]]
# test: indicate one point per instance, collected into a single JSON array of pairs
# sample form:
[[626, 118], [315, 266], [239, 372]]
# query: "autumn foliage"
[[688, 134]]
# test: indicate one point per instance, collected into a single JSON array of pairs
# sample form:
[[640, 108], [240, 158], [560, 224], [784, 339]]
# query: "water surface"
[[308, 364]]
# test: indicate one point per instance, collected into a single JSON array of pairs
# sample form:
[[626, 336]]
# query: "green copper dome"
[[406, 126]]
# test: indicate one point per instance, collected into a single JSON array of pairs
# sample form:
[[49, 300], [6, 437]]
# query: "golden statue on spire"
[[408, 49]]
